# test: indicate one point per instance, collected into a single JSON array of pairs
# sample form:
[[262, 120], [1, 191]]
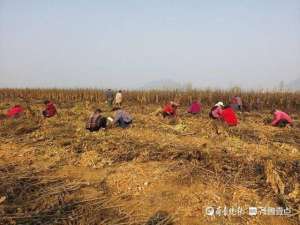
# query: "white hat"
[[219, 104]]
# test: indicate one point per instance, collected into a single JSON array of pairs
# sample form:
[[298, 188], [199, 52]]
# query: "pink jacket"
[[217, 112], [279, 115], [195, 107]]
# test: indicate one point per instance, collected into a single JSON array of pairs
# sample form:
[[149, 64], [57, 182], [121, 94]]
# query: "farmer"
[[50, 109], [109, 97], [228, 116], [15, 111], [236, 103], [281, 119], [216, 111], [119, 98], [122, 118], [195, 107], [96, 121], [170, 109]]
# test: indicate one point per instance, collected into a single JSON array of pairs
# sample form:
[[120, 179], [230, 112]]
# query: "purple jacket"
[[124, 115]]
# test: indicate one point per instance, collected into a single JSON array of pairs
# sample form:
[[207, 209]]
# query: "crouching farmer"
[[122, 118], [228, 116], [281, 119], [216, 111], [96, 121], [15, 112], [195, 107], [170, 109], [50, 109]]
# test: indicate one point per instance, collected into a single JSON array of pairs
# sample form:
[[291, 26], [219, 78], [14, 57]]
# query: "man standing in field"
[[119, 98], [109, 97]]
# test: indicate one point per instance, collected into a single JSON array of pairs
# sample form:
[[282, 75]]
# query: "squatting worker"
[[122, 118], [50, 109], [229, 116], [170, 109], [216, 111], [281, 119], [96, 121], [15, 112], [195, 107]]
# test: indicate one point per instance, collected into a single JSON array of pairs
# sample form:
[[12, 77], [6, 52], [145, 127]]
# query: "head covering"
[[220, 104], [174, 103]]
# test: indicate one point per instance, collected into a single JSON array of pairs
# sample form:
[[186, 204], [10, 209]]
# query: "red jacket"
[[229, 116], [15, 111], [169, 109], [50, 109]]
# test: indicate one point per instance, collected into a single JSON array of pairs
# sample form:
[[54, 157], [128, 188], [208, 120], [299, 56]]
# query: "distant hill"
[[294, 85], [166, 84]]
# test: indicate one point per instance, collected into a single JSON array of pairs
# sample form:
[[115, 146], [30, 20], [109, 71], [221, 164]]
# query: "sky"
[[128, 43]]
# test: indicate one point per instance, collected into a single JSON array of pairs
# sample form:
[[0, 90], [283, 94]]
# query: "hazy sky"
[[127, 43]]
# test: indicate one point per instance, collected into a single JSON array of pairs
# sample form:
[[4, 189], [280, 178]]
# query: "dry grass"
[[55, 172]]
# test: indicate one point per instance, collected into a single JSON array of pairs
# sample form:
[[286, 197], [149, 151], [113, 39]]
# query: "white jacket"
[[119, 97]]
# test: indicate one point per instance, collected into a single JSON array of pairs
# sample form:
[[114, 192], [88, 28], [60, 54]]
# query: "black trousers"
[[282, 123], [164, 114], [102, 123], [122, 123]]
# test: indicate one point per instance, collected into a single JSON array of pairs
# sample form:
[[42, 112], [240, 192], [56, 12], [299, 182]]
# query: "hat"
[[220, 104]]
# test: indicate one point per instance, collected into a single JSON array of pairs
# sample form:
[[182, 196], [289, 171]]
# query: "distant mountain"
[[294, 85], [166, 84]]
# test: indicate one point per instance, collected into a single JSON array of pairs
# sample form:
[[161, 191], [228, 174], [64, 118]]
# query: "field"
[[156, 173]]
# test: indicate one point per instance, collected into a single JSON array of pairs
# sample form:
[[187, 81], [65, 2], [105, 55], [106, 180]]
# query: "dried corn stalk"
[[273, 178]]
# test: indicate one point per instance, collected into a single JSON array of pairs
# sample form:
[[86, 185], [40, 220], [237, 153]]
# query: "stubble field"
[[53, 171]]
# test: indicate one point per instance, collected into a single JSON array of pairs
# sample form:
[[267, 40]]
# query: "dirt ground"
[[53, 171]]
